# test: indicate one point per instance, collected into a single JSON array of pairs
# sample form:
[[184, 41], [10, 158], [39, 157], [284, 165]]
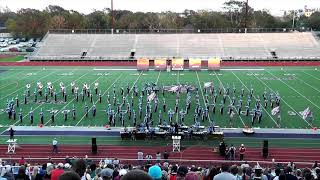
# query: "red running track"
[[189, 155]]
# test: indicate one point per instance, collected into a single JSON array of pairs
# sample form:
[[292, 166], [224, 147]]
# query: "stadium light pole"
[[246, 16], [112, 17]]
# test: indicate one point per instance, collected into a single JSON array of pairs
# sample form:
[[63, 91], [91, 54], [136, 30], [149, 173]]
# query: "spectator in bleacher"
[[22, 174], [49, 169], [315, 165], [35, 175], [57, 172], [173, 173], [70, 175], [317, 171], [67, 167], [155, 172], [258, 173], [67, 160], [222, 149], [98, 174], [224, 175], [242, 151], [307, 174], [182, 172], [212, 172], [116, 162], [234, 170], [106, 174], [115, 175], [8, 174], [192, 176], [299, 174], [292, 165], [79, 167], [244, 174], [289, 174], [136, 174], [277, 172]]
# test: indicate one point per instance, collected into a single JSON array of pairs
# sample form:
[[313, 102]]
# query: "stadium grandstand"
[[83, 98], [228, 46]]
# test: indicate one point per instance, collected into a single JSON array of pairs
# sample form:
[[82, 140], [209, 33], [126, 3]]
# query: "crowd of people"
[[113, 169]]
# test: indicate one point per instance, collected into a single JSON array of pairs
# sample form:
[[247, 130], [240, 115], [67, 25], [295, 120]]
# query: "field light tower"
[[246, 15], [112, 17]]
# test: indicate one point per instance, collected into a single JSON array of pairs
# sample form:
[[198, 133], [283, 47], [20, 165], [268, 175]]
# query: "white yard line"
[[230, 99], [202, 93], [106, 92], [15, 81], [311, 75], [73, 98], [255, 98], [24, 86], [304, 82], [283, 101], [293, 89], [178, 77], [158, 78]]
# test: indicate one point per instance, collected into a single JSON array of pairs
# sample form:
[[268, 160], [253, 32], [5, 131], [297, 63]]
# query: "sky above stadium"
[[87, 6]]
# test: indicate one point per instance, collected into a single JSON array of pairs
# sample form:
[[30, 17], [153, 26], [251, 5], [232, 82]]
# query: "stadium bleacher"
[[225, 45]]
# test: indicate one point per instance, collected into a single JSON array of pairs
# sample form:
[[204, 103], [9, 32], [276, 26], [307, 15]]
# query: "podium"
[[176, 143], [12, 143]]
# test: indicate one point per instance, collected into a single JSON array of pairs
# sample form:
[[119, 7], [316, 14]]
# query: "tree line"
[[35, 23]]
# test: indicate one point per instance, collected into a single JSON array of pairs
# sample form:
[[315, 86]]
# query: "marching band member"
[[72, 84], [31, 115], [20, 116], [41, 116], [94, 110], [28, 89], [73, 112], [17, 100], [96, 87]]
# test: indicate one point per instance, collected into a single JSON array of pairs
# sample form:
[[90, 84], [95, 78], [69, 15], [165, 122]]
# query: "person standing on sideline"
[[11, 132], [242, 151], [158, 157], [140, 157], [55, 145]]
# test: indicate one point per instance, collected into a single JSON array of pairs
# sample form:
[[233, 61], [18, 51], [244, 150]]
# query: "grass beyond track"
[[299, 88], [11, 59]]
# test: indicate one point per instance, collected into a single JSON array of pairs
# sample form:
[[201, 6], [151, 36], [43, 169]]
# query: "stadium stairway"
[[193, 154]]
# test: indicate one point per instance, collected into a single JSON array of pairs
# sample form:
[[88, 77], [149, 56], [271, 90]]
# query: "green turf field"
[[299, 88], [12, 59]]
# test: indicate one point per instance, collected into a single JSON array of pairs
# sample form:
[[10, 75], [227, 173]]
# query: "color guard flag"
[[306, 113], [275, 110], [151, 96]]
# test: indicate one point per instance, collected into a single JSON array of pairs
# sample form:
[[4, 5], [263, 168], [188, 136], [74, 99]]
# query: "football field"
[[298, 87]]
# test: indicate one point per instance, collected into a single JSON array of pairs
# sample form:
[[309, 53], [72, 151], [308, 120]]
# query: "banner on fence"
[[143, 64], [214, 63], [177, 64], [195, 64], [160, 64]]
